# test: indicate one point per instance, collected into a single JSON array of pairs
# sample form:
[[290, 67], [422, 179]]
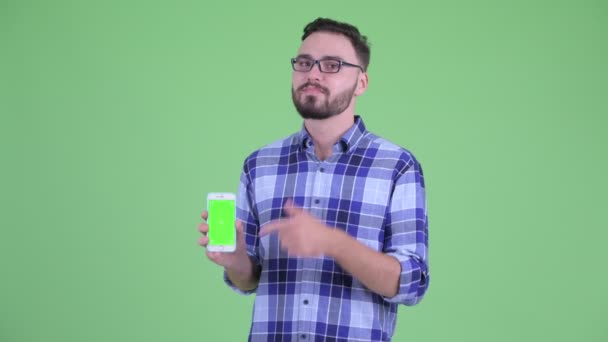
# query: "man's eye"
[[304, 63], [331, 65]]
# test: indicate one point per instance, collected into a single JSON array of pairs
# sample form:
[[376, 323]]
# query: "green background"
[[118, 117]]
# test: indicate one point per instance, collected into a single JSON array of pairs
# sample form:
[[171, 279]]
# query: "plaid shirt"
[[371, 189]]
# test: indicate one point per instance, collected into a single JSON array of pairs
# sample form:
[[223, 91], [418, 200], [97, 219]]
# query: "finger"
[[291, 209], [203, 241], [212, 256], [205, 215], [284, 248], [275, 226], [203, 228]]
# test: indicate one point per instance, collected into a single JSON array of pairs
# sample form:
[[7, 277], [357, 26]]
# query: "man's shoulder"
[[385, 148], [272, 151]]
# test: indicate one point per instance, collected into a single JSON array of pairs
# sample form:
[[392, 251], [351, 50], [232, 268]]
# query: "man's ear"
[[361, 84]]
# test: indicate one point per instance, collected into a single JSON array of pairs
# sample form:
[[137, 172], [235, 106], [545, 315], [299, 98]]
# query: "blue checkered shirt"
[[369, 188]]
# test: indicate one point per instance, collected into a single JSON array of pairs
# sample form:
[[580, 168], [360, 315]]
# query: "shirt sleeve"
[[247, 214], [406, 235]]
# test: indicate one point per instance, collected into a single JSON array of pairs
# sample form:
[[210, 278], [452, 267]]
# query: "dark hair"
[[358, 40]]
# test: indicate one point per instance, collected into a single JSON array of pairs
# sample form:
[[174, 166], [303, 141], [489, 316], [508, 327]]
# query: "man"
[[332, 223]]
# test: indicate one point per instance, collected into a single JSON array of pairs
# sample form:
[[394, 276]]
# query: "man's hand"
[[301, 234], [239, 267], [228, 260]]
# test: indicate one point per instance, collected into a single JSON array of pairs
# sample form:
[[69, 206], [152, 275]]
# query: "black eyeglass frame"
[[318, 63]]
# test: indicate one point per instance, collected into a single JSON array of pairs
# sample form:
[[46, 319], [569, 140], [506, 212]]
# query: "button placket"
[[318, 191]]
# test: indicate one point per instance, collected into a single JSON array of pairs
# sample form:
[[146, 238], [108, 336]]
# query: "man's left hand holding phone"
[[224, 240]]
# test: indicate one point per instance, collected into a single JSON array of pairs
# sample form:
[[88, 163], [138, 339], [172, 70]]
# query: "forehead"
[[321, 44]]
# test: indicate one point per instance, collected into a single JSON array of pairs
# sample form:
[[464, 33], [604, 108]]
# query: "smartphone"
[[221, 220]]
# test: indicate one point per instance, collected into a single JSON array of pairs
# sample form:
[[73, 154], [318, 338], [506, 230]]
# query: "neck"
[[325, 133]]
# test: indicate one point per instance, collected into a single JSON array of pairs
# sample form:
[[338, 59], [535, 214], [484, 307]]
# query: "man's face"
[[319, 95]]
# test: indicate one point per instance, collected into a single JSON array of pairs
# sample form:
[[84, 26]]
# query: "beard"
[[314, 107]]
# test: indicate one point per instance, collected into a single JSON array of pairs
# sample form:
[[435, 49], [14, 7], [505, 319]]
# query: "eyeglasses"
[[328, 65]]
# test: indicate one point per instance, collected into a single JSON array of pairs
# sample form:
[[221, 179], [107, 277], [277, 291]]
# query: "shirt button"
[[322, 169], [305, 302], [317, 201], [303, 336]]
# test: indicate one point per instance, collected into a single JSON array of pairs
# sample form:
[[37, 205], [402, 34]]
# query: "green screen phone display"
[[221, 222]]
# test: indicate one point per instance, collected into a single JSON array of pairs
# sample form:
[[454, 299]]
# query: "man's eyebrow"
[[322, 58], [332, 57]]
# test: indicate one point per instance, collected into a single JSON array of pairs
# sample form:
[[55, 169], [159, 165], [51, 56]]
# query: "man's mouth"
[[310, 88]]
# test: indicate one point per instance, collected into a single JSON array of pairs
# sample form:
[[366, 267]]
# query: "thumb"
[[239, 228]]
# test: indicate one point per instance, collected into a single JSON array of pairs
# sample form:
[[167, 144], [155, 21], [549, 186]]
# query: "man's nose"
[[315, 73]]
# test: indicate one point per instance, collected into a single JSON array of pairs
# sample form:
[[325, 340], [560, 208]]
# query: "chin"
[[306, 113]]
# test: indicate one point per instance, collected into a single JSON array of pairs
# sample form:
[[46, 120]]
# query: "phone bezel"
[[228, 196]]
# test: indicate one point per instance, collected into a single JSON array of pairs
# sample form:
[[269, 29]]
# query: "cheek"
[[297, 80]]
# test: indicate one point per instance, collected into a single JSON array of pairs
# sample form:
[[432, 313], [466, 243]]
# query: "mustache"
[[316, 85]]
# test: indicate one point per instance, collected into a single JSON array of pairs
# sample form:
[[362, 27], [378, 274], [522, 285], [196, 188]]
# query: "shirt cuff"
[[413, 280], [234, 288]]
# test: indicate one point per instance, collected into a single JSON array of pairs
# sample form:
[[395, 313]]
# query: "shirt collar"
[[345, 144]]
